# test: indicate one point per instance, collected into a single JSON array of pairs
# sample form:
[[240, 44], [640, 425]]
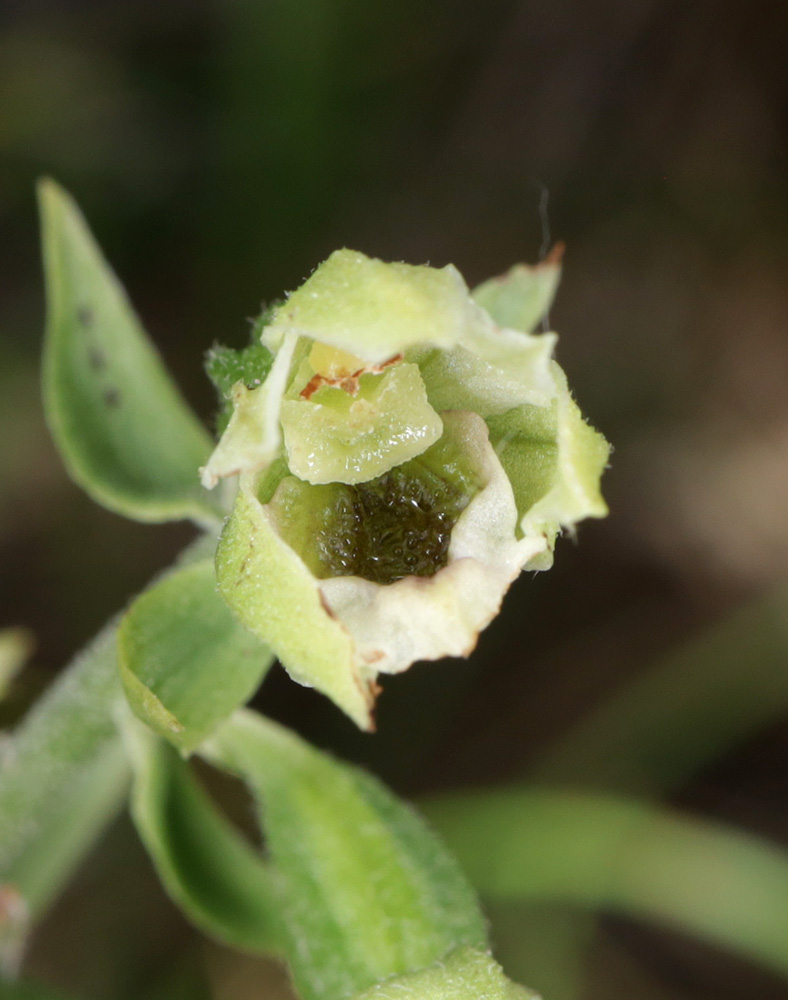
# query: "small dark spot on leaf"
[[112, 397], [97, 359], [85, 316]]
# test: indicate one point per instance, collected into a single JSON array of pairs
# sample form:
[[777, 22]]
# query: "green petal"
[[367, 890], [491, 371], [271, 591], [185, 662], [373, 309], [339, 438], [125, 433], [521, 297]]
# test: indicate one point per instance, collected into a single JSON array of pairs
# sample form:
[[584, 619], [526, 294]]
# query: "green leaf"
[[185, 662], [217, 878], [628, 857], [521, 297], [367, 891], [125, 433]]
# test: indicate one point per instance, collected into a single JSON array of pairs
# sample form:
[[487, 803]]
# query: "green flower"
[[410, 451]]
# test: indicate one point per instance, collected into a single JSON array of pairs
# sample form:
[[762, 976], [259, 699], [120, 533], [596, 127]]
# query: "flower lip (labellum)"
[[405, 458]]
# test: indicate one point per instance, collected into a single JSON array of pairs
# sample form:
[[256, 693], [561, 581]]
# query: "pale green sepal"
[[464, 974], [252, 438], [521, 297], [125, 433], [373, 309], [554, 461], [427, 618], [367, 891], [271, 592], [525, 440], [491, 371], [582, 456], [219, 880], [339, 438], [184, 660]]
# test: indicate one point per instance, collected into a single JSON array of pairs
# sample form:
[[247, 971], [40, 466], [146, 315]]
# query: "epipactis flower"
[[412, 449]]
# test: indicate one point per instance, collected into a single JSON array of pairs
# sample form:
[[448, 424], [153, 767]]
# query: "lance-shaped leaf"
[[219, 880], [367, 891], [185, 662], [125, 433]]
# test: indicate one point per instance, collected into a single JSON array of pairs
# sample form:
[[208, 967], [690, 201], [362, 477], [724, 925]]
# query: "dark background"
[[221, 149]]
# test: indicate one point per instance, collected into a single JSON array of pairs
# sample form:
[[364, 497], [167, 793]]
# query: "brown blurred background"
[[220, 150]]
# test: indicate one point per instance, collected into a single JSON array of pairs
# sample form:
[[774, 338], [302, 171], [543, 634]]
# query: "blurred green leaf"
[[209, 870], [28, 990], [185, 662], [16, 645], [700, 701], [623, 856], [367, 891], [125, 433]]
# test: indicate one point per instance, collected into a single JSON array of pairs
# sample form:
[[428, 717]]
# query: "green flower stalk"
[[412, 449]]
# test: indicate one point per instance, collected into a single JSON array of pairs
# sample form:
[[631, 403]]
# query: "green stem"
[[606, 853], [64, 774]]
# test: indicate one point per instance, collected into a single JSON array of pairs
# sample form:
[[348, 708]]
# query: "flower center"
[[391, 527], [387, 528]]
